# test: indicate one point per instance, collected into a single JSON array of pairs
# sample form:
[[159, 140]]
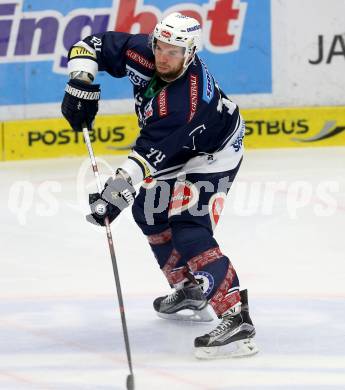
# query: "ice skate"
[[186, 304], [233, 337]]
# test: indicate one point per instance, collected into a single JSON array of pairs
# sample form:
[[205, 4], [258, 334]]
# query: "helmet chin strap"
[[188, 60]]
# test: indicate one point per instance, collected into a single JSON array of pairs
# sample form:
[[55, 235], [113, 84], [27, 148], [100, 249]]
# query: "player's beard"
[[171, 75]]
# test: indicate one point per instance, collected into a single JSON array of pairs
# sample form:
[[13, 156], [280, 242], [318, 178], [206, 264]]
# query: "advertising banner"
[[115, 134], [2, 145], [35, 36], [295, 127], [49, 138]]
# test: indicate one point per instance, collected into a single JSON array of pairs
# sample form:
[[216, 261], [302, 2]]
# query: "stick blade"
[[130, 382]]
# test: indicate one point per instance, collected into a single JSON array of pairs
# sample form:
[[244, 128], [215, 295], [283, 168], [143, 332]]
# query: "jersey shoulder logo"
[[208, 83], [139, 59], [136, 77], [81, 52]]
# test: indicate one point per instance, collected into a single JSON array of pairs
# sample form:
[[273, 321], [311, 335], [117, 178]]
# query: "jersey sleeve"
[[111, 52]]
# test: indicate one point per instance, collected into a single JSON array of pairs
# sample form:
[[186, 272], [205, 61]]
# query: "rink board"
[[2, 148], [295, 127], [115, 134], [50, 138]]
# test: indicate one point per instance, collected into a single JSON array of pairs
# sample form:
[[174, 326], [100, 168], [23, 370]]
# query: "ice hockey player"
[[186, 157]]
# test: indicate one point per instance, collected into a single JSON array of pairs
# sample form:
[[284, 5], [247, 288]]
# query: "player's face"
[[169, 60]]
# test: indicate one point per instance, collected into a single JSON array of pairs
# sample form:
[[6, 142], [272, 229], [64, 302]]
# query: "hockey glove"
[[117, 194], [80, 104]]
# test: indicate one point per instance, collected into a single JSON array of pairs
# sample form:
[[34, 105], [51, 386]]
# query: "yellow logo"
[[79, 51]]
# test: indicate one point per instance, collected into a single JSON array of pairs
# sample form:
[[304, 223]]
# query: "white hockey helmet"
[[179, 30]]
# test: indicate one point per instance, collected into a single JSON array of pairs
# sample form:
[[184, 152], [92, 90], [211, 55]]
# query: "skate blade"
[[203, 315], [237, 349]]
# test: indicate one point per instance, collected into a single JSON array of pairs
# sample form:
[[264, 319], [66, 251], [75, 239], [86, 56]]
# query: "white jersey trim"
[[134, 170], [83, 65], [225, 160]]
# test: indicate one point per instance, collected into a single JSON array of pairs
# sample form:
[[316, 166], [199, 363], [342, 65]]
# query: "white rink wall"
[[308, 55]]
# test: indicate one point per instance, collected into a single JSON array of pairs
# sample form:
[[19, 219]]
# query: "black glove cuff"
[[82, 90]]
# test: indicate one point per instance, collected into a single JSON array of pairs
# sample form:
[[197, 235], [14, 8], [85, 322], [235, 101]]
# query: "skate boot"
[[187, 303], [233, 337]]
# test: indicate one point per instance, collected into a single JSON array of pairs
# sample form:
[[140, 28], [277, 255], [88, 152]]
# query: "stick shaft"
[[112, 252]]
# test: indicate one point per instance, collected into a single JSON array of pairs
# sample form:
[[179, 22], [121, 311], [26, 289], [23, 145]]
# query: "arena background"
[[282, 226], [281, 61]]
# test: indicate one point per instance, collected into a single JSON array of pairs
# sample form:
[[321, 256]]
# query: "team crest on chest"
[[148, 110]]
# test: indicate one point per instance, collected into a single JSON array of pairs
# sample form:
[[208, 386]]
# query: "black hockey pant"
[[179, 216]]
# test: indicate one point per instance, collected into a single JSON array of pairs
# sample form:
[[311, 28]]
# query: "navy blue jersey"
[[186, 118]]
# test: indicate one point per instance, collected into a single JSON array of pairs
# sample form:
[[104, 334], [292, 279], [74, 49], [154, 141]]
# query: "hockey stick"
[[130, 377]]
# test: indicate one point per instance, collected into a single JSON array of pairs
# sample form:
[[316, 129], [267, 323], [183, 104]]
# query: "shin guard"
[[220, 281]]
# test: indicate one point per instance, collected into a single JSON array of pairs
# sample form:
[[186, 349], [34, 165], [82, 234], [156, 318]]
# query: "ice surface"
[[283, 228]]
